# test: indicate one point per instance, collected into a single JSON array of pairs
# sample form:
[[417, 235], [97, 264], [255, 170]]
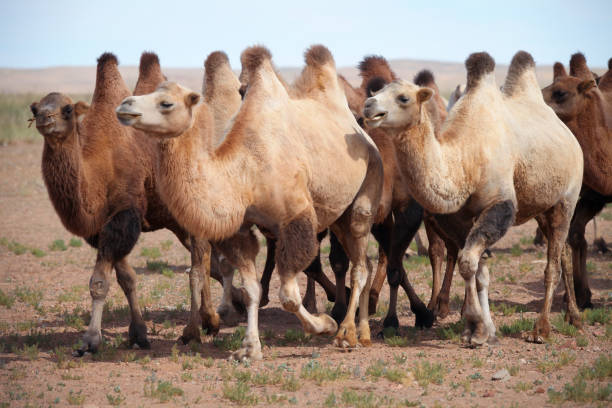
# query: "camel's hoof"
[[346, 337], [210, 324], [138, 335], [365, 342], [338, 312], [492, 341], [91, 343], [534, 338], [229, 315], [190, 333], [391, 321], [328, 323], [424, 319], [248, 352]]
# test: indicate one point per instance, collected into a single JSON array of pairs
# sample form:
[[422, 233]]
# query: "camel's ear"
[[80, 109], [192, 99], [34, 108], [585, 85], [424, 94]]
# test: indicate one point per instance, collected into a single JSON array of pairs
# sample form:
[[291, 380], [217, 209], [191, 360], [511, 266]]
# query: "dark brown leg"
[[268, 269], [382, 234]]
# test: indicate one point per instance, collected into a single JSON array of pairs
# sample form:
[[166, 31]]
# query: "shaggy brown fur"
[[587, 112], [478, 65]]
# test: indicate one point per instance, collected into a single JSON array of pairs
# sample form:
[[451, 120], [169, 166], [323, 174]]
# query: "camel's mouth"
[[376, 119], [127, 118]]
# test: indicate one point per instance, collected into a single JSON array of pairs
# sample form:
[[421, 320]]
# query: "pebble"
[[539, 390], [523, 361], [488, 393], [501, 375]]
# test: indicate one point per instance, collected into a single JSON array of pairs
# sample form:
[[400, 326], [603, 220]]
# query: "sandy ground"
[[49, 300]]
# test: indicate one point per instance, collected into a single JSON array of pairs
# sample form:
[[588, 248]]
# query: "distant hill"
[[80, 80]]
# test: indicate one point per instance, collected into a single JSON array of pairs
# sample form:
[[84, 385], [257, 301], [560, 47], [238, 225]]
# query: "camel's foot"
[[229, 315], [540, 332], [346, 336], [391, 321], [441, 310], [583, 298], [138, 335], [424, 318], [364, 335], [91, 341], [475, 334], [338, 312], [251, 349], [264, 299], [372, 303], [190, 332], [600, 245], [321, 324], [210, 324]]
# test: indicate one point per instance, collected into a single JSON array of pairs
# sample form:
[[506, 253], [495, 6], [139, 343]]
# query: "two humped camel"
[[276, 168], [500, 159], [586, 109], [101, 178]]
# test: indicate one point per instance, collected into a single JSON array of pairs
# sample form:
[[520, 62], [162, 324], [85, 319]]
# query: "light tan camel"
[[501, 158], [277, 169]]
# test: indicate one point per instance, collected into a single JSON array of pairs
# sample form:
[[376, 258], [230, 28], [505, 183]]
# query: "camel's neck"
[[206, 192], [432, 168], [69, 188], [593, 131]]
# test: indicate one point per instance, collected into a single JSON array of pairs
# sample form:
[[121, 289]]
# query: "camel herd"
[[299, 161]]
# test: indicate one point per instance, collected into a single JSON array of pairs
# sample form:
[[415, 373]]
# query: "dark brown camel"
[[586, 109], [101, 180]]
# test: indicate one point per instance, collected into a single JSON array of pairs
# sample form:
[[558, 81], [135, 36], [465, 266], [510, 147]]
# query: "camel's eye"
[[559, 95], [166, 105], [403, 99], [67, 110], [34, 110]]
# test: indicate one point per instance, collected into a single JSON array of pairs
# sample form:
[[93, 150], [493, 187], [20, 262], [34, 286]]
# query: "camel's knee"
[[289, 297], [361, 221], [98, 287]]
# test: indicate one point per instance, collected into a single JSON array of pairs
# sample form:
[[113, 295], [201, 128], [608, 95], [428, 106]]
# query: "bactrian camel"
[[586, 109], [500, 159], [276, 168], [100, 177]]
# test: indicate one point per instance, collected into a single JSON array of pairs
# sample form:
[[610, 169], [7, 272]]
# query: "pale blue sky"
[[64, 32]]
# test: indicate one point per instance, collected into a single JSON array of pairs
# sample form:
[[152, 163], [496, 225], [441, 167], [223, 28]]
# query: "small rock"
[[523, 361], [501, 375], [539, 390], [488, 393]]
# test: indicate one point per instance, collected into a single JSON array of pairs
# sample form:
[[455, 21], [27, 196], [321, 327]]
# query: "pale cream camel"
[[501, 158], [278, 169]]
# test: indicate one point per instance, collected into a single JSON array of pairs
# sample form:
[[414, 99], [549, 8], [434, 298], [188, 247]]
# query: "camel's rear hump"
[[149, 74], [478, 65], [521, 79]]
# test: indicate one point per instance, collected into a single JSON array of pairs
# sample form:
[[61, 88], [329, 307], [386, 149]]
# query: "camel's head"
[[167, 112], [567, 95], [57, 117], [396, 105]]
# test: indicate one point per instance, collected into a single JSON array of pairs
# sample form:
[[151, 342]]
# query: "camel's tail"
[[478, 65], [375, 73], [149, 74], [521, 77], [558, 71]]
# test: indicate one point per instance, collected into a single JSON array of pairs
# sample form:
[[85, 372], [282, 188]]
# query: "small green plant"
[[6, 300], [516, 250], [548, 365], [514, 370], [150, 252], [29, 296], [296, 336], [168, 273], [230, 342], [239, 393], [563, 327], [597, 315], [426, 373], [115, 400], [313, 370], [39, 253], [582, 341], [518, 326], [58, 245], [75, 398], [291, 383], [16, 248], [156, 266], [75, 242], [452, 331], [166, 245], [163, 391], [29, 352]]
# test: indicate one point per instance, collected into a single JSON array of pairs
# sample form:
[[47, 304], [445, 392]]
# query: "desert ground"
[[45, 302]]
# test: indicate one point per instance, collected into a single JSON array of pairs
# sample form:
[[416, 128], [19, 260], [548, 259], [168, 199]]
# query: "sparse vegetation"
[[517, 327], [313, 370], [58, 245], [6, 300], [163, 391], [230, 342], [426, 373], [75, 243], [239, 393]]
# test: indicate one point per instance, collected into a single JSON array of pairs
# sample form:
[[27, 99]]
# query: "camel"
[[454, 96], [586, 109], [501, 158], [101, 181], [325, 173]]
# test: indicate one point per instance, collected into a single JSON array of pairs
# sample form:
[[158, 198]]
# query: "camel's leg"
[[310, 297], [589, 204], [555, 225], [201, 299], [115, 241], [407, 222], [339, 263], [436, 256], [296, 248], [267, 272], [382, 232], [241, 250], [490, 226], [126, 277], [422, 250], [482, 287], [573, 315], [352, 231], [442, 306]]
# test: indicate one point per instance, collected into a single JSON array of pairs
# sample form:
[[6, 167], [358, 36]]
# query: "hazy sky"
[[63, 32]]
